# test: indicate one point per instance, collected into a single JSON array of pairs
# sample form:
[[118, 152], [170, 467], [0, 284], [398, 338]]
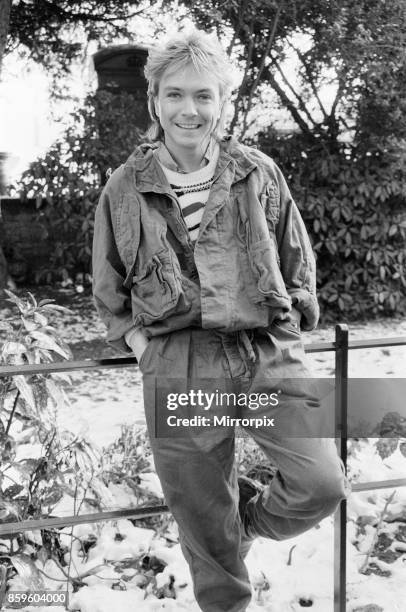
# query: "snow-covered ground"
[[285, 576]]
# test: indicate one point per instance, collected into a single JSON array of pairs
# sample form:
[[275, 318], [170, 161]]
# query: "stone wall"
[[24, 238]]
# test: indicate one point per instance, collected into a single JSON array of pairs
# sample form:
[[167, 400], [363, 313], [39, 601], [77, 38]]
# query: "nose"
[[189, 107]]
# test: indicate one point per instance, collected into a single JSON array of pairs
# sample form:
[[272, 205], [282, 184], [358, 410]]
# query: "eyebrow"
[[174, 88]]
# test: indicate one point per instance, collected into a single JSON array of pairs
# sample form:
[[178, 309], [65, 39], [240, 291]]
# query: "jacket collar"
[[163, 155], [149, 175]]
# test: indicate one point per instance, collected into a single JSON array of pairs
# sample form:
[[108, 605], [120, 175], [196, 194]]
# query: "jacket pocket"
[[128, 232], [155, 290], [287, 325], [264, 261], [270, 201]]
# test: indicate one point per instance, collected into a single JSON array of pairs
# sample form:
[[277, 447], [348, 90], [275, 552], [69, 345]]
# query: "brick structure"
[[23, 237], [121, 68]]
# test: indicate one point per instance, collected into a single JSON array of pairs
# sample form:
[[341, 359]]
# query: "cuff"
[[129, 335], [116, 334], [307, 304]]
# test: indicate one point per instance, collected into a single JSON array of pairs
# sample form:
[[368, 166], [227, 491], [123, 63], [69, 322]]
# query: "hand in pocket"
[[137, 341]]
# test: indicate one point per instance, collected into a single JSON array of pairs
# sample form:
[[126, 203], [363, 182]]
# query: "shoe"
[[262, 472], [248, 489]]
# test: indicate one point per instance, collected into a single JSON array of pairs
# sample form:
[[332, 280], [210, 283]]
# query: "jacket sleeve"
[[297, 260], [111, 298]]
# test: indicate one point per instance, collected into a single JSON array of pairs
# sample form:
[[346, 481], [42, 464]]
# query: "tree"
[[4, 21], [5, 6], [54, 33], [48, 29], [353, 47], [67, 180]]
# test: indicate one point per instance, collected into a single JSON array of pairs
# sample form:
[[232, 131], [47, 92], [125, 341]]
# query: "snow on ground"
[[285, 576], [387, 362]]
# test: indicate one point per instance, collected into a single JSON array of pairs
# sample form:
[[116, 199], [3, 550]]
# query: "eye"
[[205, 96], [173, 94]]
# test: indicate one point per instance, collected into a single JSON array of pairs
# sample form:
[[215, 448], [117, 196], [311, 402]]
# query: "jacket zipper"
[[181, 219]]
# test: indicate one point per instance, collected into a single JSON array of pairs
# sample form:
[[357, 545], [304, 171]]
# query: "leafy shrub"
[[353, 201], [67, 181], [39, 464], [126, 462]]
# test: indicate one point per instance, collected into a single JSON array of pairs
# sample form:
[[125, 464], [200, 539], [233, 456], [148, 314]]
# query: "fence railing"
[[341, 346]]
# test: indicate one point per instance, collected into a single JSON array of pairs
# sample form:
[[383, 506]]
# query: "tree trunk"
[[5, 7]]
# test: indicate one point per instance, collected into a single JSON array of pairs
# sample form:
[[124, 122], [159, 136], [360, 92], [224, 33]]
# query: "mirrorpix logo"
[[210, 401]]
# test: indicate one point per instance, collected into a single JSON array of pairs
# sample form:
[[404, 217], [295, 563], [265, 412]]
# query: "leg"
[[310, 481], [198, 474], [308, 487]]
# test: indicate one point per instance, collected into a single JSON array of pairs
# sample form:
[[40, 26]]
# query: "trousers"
[[197, 468]]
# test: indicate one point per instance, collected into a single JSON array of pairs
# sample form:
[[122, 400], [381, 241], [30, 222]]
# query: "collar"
[[149, 175], [163, 155]]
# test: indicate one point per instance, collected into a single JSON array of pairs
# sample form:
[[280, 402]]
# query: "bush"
[[67, 181], [353, 201], [42, 466], [39, 464]]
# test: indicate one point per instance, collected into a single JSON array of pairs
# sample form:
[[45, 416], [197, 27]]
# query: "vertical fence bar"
[[340, 519]]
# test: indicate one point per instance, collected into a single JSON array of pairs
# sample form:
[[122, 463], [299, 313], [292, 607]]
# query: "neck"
[[188, 160]]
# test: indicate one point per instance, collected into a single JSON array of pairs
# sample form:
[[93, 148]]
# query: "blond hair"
[[205, 53]]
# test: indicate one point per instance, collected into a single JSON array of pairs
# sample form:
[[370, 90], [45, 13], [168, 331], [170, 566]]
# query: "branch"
[[231, 45], [5, 8], [290, 554], [251, 45], [345, 124], [333, 121], [302, 105], [79, 578], [287, 102], [364, 566], [89, 17], [310, 78], [12, 412], [71, 534], [247, 124], [339, 93], [265, 54], [84, 16]]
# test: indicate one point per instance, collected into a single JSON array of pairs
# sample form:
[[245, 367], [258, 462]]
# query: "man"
[[203, 268]]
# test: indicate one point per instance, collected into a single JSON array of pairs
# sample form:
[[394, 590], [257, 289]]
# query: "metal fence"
[[341, 346]]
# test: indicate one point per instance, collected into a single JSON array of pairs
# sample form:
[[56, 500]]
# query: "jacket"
[[251, 262]]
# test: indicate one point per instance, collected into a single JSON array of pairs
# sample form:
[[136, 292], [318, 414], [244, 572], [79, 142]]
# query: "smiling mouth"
[[189, 126]]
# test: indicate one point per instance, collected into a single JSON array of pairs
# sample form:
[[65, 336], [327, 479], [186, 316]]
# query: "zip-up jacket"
[[251, 262]]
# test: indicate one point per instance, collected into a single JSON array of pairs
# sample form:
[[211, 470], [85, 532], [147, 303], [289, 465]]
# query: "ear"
[[157, 107]]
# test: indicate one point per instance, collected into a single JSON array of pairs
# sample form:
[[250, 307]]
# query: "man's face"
[[188, 106]]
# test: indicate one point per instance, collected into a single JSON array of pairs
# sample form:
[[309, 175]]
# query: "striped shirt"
[[192, 191]]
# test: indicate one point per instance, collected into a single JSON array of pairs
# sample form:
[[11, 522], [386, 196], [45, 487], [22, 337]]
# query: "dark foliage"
[[50, 31], [67, 181], [353, 203]]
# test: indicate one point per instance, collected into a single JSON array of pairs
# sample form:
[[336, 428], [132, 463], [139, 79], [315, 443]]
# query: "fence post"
[[340, 518]]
